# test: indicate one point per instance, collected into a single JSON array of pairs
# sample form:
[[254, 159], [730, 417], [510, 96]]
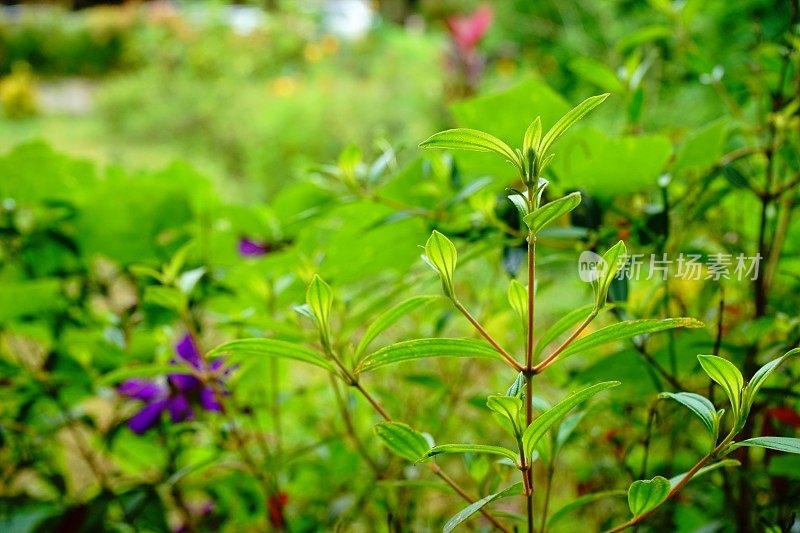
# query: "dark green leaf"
[[699, 405], [646, 495]]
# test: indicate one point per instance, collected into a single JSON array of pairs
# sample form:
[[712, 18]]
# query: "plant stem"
[[547, 361], [529, 373], [485, 334], [551, 468], [682, 483], [353, 382]]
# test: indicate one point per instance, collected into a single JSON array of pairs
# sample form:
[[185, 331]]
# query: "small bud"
[[441, 255]]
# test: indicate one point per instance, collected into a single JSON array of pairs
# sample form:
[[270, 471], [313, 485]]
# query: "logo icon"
[[590, 266]]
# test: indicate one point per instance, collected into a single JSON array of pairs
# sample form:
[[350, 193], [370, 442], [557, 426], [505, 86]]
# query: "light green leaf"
[[518, 298], [388, 318], [725, 463], [582, 501], [240, 350], [699, 405], [552, 211], [427, 348], [561, 325], [781, 444], [473, 508], [627, 329], [539, 427], [646, 495], [169, 297], [727, 376], [473, 140], [319, 297], [568, 120], [613, 260], [507, 409], [470, 448], [760, 377], [532, 138], [441, 254], [402, 440]]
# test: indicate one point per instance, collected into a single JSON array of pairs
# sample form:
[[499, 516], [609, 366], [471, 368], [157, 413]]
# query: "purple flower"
[[180, 393], [252, 248]]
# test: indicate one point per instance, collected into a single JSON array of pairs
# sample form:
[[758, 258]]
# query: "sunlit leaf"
[[471, 448], [727, 376], [319, 298], [613, 260], [426, 348], [441, 254], [568, 120], [469, 139], [626, 330]]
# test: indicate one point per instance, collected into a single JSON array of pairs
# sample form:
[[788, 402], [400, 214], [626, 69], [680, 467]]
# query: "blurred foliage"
[[104, 268]]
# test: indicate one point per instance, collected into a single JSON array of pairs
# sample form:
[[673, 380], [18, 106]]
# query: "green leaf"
[[388, 318], [568, 120], [240, 350], [473, 140], [552, 211], [168, 297], [506, 410], [646, 495], [319, 297], [532, 138], [471, 448], [582, 501], [441, 254], [613, 260], [427, 348], [473, 508], [561, 325], [760, 377], [626, 330], [727, 376], [705, 470], [402, 440], [518, 299], [781, 444], [699, 405], [543, 423]]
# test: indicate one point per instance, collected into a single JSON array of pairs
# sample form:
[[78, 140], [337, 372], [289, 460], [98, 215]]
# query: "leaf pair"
[[534, 156], [727, 376]]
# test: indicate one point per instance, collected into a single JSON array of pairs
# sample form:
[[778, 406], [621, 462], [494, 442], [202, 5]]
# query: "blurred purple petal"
[[251, 248], [208, 400], [184, 382], [179, 408], [147, 417], [141, 389], [187, 350]]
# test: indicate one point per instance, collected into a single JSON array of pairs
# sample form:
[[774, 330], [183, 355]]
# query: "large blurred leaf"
[[28, 298], [702, 149], [606, 167]]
